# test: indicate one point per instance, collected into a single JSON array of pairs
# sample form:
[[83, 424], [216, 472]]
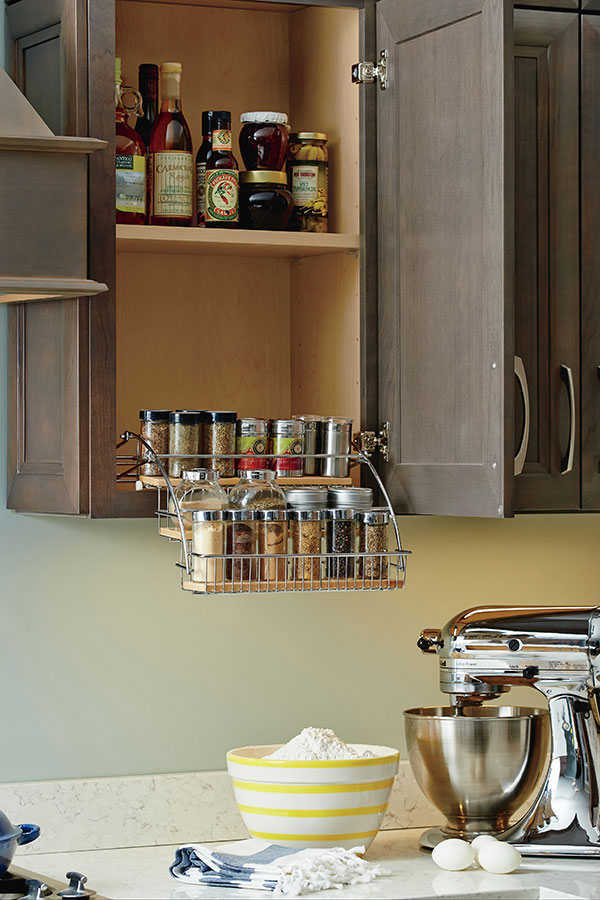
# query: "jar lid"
[[171, 67], [199, 474], [185, 417], [341, 514], [272, 515], [310, 418], [207, 515], [351, 497], [247, 423], [305, 515], [240, 515], [258, 475], [294, 425], [308, 136], [269, 117], [305, 494], [202, 414], [337, 422], [373, 516], [221, 416], [263, 176], [154, 415]]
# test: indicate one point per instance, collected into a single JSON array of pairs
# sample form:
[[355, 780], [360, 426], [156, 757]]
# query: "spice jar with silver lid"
[[313, 426], [339, 539], [306, 531], [337, 437], [272, 542], [250, 444], [287, 441], [198, 489], [240, 542], [306, 497], [257, 489], [373, 538], [220, 438], [208, 537], [154, 428], [350, 497], [185, 433]]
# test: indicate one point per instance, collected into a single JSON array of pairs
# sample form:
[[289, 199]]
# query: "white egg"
[[499, 858], [480, 841], [453, 855]]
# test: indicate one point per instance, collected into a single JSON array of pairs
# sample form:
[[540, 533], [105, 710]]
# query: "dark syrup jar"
[[264, 140], [265, 202]]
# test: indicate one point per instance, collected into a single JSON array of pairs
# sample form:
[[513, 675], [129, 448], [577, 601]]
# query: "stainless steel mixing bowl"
[[477, 768]]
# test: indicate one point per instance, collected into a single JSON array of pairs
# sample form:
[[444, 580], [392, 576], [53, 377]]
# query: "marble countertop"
[[142, 873]]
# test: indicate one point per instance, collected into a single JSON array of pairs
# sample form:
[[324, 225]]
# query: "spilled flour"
[[318, 743]]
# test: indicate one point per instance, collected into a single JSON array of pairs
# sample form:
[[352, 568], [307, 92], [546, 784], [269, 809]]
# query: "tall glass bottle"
[[148, 84], [222, 176], [130, 159], [201, 167], [171, 160]]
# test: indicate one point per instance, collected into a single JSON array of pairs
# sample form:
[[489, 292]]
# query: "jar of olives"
[[308, 174]]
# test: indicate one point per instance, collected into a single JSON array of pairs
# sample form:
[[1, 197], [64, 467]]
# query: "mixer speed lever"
[[430, 639]]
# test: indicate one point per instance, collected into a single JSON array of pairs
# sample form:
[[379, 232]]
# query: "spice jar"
[[339, 538], [288, 441], [306, 497], [240, 542], [313, 426], [250, 443], [350, 497], [198, 489], [337, 436], [272, 541], [184, 438], [208, 537], [372, 538], [308, 180], [220, 438], [306, 538], [265, 202], [264, 140], [154, 428], [256, 489]]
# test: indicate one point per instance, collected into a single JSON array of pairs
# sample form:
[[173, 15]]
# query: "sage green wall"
[[108, 668]]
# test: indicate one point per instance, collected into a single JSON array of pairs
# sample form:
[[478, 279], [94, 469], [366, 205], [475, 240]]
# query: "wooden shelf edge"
[[20, 290], [51, 143], [153, 481]]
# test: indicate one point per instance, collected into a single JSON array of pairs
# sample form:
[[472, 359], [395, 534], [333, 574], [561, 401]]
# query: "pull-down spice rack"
[[258, 572]]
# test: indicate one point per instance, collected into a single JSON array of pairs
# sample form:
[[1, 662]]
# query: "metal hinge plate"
[[367, 72], [370, 441]]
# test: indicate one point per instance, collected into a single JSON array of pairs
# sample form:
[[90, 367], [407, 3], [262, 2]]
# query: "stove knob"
[[76, 887], [36, 890]]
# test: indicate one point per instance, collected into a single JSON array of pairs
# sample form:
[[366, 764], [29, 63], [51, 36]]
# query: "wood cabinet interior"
[[266, 336]]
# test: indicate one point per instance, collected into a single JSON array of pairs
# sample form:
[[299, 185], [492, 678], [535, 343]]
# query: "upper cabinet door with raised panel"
[[445, 233]]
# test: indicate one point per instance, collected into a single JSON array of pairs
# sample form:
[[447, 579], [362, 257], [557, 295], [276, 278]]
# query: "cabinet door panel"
[[547, 250], [591, 5], [445, 254], [590, 260]]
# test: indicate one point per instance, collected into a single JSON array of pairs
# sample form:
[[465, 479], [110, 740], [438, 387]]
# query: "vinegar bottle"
[[171, 161], [130, 159], [148, 84], [222, 176]]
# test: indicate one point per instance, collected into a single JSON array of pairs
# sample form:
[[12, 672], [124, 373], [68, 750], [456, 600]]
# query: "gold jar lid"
[[263, 176], [171, 68], [308, 136]]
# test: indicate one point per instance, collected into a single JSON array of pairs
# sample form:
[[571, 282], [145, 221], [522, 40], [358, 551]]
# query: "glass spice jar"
[[337, 436], [265, 202], [220, 438], [184, 439], [250, 443], [264, 140], [305, 526], [208, 537], [339, 538], [154, 428], [272, 541], [240, 541], [198, 489], [256, 489], [372, 538], [288, 442], [307, 168]]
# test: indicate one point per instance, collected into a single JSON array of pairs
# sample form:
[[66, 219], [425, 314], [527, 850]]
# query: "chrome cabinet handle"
[[566, 463], [522, 451]]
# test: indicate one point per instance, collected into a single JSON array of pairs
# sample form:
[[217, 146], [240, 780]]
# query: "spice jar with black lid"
[[185, 439], [154, 428], [265, 201], [220, 436], [240, 541], [372, 538], [339, 538]]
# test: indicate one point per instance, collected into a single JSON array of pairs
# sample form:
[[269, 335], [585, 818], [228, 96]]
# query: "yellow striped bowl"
[[325, 803]]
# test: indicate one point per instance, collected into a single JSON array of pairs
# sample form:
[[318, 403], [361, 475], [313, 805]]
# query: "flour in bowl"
[[317, 744]]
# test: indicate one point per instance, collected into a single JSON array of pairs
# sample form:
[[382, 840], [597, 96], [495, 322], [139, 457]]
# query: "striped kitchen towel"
[[252, 864]]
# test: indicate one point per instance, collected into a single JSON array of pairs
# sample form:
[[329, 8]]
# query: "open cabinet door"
[[445, 248]]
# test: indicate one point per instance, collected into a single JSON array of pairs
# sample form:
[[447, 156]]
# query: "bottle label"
[[289, 447], [131, 183], [222, 188], [201, 191], [309, 188], [250, 447], [173, 183], [221, 140]]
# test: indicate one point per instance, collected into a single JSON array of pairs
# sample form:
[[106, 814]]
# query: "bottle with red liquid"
[[130, 158], [171, 161], [222, 176]]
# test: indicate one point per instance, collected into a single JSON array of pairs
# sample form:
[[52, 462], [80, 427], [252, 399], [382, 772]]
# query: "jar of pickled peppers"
[[307, 167]]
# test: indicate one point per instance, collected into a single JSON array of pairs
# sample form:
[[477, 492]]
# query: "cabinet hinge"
[[370, 441], [367, 72]]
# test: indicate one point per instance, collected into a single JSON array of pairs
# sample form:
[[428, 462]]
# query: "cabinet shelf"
[[203, 241], [156, 481]]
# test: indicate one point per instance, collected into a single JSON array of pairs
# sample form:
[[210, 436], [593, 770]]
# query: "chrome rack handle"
[[566, 463], [522, 451]]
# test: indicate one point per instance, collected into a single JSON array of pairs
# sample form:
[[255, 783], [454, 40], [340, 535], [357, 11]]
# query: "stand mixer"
[[482, 653]]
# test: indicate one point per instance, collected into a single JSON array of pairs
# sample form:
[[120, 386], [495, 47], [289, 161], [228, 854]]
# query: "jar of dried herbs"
[[240, 543], [198, 489], [288, 443], [208, 537], [372, 538], [305, 526], [339, 539], [257, 489], [220, 439], [308, 174], [154, 428], [250, 444], [272, 542], [185, 439]]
